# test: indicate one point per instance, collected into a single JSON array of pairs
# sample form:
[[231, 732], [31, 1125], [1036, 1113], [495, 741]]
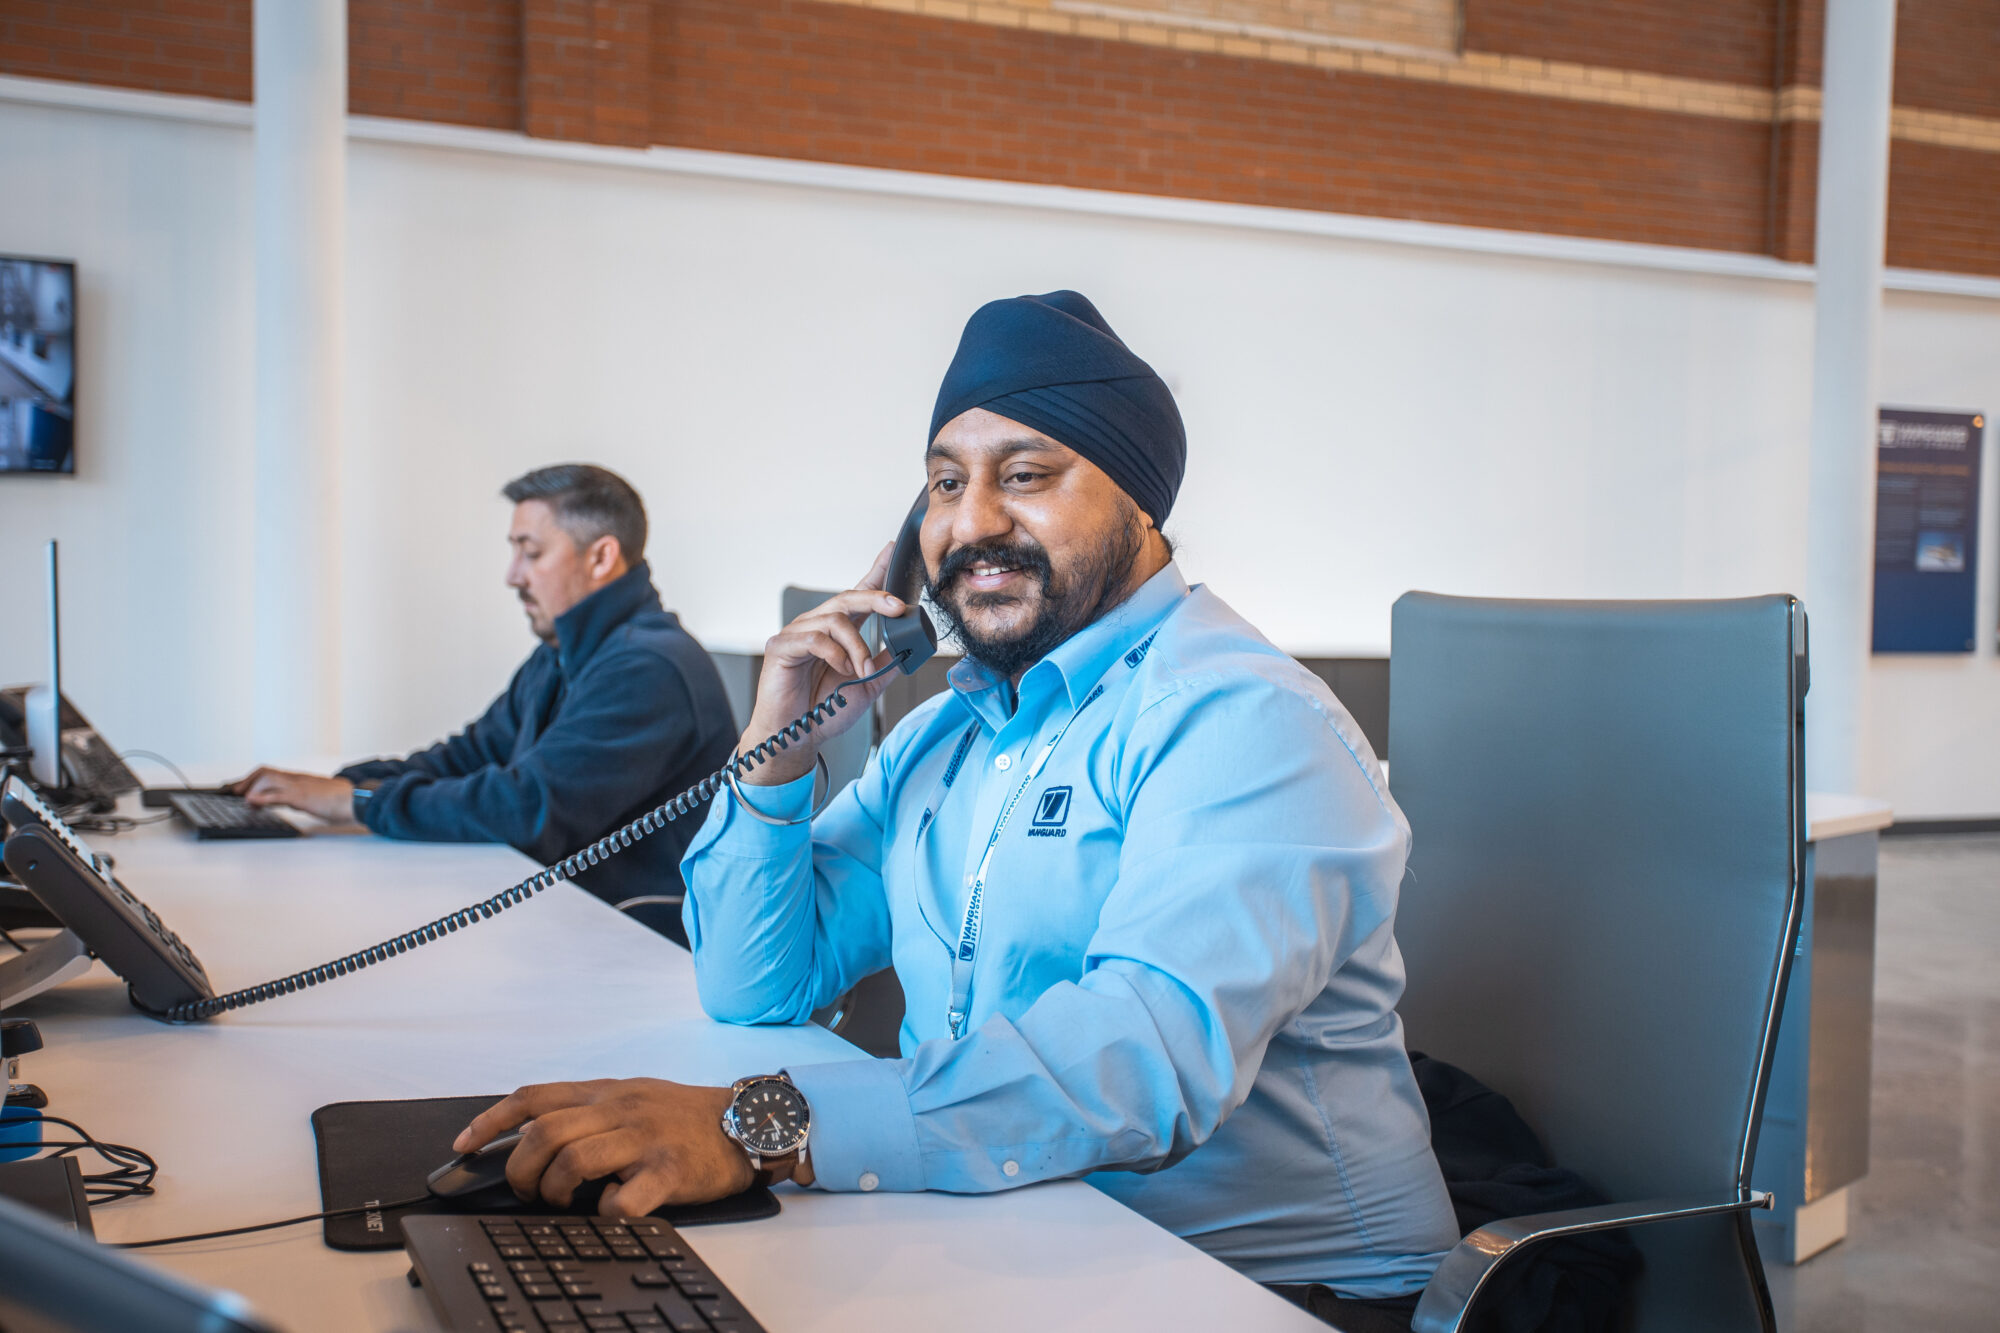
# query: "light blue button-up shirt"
[[1182, 976]]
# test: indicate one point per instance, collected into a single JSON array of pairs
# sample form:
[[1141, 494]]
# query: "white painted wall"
[[760, 359]]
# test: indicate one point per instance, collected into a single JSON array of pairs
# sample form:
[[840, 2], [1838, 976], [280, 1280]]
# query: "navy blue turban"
[[1051, 363]]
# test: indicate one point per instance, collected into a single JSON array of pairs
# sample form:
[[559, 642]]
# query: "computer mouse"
[[478, 1180], [478, 1176]]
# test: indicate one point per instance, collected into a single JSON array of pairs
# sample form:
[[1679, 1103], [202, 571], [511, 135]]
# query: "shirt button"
[[1010, 1167], [1004, 762], [869, 1180]]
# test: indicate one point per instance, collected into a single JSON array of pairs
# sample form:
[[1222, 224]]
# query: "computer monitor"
[[54, 1281], [37, 365], [44, 702]]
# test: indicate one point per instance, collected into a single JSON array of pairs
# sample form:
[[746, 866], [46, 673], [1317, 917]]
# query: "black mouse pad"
[[380, 1152]]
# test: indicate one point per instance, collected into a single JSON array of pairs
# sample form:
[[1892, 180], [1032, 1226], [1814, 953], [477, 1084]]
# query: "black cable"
[[269, 1226], [609, 845], [8, 936], [161, 760], [102, 823], [132, 1170]]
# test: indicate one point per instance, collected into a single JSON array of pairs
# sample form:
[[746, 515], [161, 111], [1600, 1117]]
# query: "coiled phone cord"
[[609, 845]]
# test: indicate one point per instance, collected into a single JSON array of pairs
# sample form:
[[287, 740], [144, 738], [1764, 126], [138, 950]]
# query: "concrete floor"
[[1923, 1245]]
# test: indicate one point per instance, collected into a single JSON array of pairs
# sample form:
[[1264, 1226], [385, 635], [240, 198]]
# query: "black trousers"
[[1347, 1313]]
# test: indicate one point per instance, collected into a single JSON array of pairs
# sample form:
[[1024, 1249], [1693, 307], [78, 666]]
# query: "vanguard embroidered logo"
[[1051, 813], [1138, 655]]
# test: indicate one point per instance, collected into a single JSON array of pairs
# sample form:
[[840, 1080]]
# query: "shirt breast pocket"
[[1058, 870]]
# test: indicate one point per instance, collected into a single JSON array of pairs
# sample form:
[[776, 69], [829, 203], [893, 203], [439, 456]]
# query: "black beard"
[[1095, 586]]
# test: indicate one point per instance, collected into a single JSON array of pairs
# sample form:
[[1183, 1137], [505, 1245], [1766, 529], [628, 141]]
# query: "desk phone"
[[80, 891]]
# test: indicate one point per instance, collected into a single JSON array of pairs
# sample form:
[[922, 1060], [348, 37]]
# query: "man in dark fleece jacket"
[[617, 711]]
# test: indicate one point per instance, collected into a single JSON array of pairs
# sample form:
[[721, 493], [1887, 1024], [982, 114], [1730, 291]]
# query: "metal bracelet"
[[819, 802]]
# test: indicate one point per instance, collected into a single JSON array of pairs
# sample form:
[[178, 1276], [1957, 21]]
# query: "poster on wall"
[[1926, 530]]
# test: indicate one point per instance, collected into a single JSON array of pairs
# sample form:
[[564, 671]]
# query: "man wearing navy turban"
[[1136, 871]]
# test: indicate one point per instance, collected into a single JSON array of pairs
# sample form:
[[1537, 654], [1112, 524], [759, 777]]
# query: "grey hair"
[[589, 502]]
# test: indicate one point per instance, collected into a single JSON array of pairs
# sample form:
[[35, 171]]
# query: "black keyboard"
[[526, 1274], [94, 765], [213, 816]]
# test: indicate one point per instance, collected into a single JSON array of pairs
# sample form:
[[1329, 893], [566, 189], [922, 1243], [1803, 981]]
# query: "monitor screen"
[[54, 1281], [37, 365]]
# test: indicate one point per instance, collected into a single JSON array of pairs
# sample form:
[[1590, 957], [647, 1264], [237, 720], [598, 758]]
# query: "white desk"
[[560, 987]]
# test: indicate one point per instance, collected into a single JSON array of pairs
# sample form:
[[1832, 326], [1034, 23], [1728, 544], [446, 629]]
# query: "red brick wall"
[[588, 70], [833, 83], [171, 46], [1942, 205], [1948, 56], [836, 83], [1795, 192], [450, 60], [1728, 40]]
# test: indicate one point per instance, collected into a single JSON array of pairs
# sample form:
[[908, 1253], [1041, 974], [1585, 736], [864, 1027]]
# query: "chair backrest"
[[847, 753], [1607, 813]]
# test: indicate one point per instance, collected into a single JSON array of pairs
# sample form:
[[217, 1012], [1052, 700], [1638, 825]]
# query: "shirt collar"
[[1080, 660], [582, 629]]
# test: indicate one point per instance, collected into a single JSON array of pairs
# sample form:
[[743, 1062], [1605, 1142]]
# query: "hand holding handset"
[[825, 646], [167, 982]]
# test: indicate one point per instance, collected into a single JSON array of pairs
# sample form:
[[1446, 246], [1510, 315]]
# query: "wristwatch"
[[767, 1118], [362, 796]]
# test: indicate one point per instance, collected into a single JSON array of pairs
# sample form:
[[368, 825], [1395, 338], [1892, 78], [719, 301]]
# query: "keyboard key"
[[680, 1316], [604, 1321], [651, 1277], [541, 1291], [720, 1306], [698, 1290], [644, 1319]]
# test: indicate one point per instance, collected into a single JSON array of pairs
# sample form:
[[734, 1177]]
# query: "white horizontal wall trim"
[[1006, 194], [123, 101]]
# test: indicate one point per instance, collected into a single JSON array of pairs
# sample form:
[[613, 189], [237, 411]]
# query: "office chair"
[[1607, 808]]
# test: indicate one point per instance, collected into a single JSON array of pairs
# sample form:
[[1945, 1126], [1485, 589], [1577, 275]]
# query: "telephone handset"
[[165, 979], [911, 636]]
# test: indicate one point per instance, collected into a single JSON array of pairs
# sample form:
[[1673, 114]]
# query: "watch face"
[[771, 1117]]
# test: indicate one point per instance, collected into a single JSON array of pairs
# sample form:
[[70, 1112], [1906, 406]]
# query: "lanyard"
[[968, 936]]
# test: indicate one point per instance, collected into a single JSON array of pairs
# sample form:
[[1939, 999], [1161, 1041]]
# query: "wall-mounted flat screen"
[[37, 365]]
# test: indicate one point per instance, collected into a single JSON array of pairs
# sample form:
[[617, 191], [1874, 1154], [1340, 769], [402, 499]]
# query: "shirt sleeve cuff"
[[748, 835], [864, 1136]]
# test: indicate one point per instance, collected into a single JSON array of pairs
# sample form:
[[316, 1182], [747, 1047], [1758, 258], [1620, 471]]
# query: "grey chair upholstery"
[[1607, 808]]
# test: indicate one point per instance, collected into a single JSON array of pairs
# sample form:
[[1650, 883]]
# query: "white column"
[[301, 198], [1840, 501]]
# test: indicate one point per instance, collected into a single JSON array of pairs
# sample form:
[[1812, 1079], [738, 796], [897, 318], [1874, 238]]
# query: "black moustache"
[[1023, 559]]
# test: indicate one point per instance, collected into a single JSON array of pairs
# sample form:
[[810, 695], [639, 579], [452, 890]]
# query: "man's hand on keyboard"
[[662, 1141], [331, 799]]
